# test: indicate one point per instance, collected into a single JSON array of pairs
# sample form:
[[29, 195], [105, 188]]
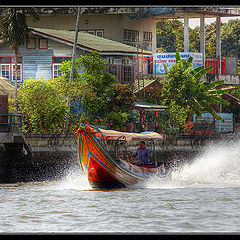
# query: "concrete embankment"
[[37, 157], [43, 157]]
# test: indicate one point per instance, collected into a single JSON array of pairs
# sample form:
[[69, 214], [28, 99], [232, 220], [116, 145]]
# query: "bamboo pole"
[[138, 72], [143, 74]]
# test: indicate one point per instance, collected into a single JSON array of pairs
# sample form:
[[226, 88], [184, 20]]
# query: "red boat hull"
[[99, 178]]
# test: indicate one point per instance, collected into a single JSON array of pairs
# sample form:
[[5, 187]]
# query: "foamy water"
[[199, 197]]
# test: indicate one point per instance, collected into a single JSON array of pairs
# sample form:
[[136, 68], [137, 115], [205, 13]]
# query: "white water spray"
[[74, 180], [218, 164]]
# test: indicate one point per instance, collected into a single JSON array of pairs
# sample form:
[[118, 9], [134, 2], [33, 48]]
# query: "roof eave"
[[71, 43]]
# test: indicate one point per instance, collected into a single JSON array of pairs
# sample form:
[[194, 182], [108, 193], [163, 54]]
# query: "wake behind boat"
[[107, 170]]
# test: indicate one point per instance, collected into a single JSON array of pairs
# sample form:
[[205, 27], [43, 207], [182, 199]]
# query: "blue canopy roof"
[[151, 11]]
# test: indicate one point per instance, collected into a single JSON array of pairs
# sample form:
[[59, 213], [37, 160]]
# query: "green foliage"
[[10, 105], [94, 68], [44, 108], [186, 87], [75, 90], [121, 97], [167, 34], [230, 36], [14, 28], [91, 82], [14, 31], [174, 115], [118, 119], [210, 40], [170, 37]]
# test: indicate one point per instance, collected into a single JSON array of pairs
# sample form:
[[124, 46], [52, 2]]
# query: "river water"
[[202, 197]]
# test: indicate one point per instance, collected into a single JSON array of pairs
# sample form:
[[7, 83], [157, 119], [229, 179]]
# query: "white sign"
[[170, 59]]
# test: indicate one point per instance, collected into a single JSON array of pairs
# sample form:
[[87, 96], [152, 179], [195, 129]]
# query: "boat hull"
[[99, 178], [102, 170]]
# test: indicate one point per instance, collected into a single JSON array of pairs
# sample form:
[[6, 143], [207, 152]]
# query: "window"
[[125, 61], [147, 36], [5, 70], [31, 43], [127, 74], [56, 63], [43, 43], [61, 59], [19, 72], [91, 32], [95, 32], [113, 69], [7, 67], [56, 73], [130, 35], [99, 33]]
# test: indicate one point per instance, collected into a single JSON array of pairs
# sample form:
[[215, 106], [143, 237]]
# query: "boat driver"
[[142, 154]]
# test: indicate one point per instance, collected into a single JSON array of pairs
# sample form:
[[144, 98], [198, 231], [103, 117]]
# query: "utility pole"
[[73, 57], [75, 43]]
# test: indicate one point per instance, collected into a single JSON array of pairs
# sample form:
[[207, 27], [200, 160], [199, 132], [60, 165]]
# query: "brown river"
[[202, 197]]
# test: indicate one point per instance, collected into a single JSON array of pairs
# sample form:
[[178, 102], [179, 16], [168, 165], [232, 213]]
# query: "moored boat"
[[105, 170]]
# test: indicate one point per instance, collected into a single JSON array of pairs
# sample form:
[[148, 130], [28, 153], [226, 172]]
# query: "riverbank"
[[46, 157]]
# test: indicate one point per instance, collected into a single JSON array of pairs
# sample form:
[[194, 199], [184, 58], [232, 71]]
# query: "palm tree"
[[186, 87], [14, 30]]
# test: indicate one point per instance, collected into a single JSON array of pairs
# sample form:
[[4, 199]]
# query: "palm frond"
[[209, 109], [214, 84]]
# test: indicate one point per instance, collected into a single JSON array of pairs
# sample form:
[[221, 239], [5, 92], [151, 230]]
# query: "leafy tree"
[[43, 106], [14, 30], [76, 89], [230, 36], [121, 97], [91, 83], [166, 34], [186, 87], [174, 115], [210, 40], [170, 36]]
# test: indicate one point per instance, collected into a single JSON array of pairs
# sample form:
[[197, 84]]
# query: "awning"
[[115, 135], [148, 106]]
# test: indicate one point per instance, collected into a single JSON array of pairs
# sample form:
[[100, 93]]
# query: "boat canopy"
[[115, 135]]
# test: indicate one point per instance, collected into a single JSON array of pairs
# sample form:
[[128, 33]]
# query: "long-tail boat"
[[104, 170]]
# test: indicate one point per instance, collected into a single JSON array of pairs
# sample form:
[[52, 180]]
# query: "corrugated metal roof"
[[6, 88], [142, 84], [148, 106], [88, 41]]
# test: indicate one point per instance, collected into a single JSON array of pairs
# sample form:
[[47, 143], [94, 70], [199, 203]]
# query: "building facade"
[[45, 51], [111, 23]]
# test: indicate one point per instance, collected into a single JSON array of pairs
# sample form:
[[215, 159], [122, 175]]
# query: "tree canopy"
[[185, 86], [170, 38]]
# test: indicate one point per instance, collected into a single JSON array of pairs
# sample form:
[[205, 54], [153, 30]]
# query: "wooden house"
[[42, 55]]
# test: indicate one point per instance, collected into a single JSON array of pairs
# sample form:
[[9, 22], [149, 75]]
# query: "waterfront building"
[[133, 26]]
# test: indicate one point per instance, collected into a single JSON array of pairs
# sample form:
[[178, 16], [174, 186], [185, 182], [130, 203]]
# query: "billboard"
[[170, 59]]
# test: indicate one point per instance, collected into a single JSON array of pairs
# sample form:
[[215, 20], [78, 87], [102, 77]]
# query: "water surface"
[[198, 198]]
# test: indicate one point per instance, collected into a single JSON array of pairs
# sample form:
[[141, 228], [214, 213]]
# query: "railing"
[[146, 67], [124, 73], [11, 123]]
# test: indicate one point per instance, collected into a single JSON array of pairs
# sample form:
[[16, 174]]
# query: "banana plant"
[[186, 87]]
